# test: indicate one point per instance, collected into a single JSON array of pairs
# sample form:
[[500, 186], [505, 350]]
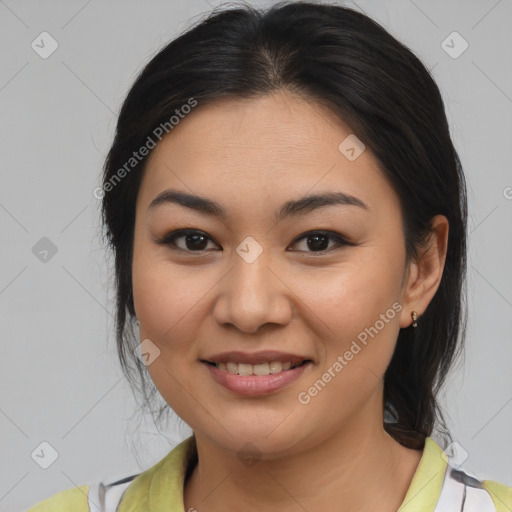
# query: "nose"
[[252, 295]]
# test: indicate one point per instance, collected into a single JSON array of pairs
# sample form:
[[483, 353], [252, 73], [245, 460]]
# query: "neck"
[[357, 469]]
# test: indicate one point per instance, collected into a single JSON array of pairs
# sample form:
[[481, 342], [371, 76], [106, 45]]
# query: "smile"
[[269, 368], [256, 380]]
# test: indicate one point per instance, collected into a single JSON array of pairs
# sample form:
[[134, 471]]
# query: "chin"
[[259, 441]]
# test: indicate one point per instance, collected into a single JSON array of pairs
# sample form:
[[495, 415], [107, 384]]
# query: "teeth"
[[245, 369], [232, 367], [275, 367], [255, 369]]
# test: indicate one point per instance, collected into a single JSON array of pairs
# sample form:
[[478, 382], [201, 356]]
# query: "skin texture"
[[252, 156]]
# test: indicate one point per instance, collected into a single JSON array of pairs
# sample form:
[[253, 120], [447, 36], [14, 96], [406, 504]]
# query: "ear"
[[424, 276]]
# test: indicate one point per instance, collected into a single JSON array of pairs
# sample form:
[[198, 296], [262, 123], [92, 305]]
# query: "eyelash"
[[169, 240]]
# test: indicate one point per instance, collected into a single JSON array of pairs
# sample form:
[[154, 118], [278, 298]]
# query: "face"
[[321, 281]]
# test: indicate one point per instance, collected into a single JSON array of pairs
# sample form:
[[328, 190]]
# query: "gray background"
[[60, 378]]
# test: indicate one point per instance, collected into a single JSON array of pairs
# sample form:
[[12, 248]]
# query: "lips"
[[256, 385], [257, 373]]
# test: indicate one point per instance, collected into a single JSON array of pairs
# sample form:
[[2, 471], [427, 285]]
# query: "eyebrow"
[[291, 208]]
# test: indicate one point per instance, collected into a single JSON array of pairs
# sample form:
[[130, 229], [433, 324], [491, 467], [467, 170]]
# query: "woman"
[[288, 217]]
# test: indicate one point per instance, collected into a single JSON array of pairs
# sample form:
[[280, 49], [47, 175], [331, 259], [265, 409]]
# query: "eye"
[[318, 241], [194, 241], [197, 241]]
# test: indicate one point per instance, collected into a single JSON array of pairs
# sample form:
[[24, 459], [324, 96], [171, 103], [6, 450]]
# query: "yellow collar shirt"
[[437, 486]]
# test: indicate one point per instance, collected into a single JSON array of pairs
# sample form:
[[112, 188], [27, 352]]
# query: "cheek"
[[164, 303], [358, 302], [166, 298], [359, 335], [355, 293], [168, 304]]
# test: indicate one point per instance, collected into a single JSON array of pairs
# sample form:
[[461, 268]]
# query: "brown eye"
[[193, 241], [318, 241]]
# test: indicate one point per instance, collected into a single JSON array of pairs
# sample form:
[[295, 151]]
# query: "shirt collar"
[[160, 488]]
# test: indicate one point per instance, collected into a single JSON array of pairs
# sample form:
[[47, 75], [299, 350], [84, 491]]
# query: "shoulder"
[[70, 500], [462, 489], [161, 484], [86, 498], [468, 491], [501, 495], [440, 484]]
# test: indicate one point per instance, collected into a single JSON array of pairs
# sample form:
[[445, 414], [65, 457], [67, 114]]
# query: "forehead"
[[274, 147], [282, 124]]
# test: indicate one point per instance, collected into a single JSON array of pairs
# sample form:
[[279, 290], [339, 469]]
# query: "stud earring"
[[138, 323], [414, 318]]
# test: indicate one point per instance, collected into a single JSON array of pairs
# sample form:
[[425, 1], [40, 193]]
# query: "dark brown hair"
[[346, 61]]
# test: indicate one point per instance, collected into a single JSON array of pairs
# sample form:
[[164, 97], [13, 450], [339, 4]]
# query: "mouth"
[[259, 379], [261, 369]]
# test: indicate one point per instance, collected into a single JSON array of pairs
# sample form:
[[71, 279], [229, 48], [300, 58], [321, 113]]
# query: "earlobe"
[[407, 301]]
